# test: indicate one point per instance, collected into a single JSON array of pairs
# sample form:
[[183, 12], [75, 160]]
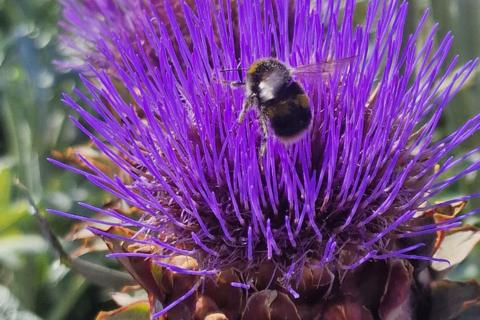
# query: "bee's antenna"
[[232, 69], [233, 84]]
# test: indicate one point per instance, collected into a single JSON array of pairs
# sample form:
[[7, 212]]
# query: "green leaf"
[[10, 308], [5, 186], [10, 214], [70, 295], [13, 246]]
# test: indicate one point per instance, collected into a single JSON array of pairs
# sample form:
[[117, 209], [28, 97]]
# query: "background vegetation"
[[33, 122]]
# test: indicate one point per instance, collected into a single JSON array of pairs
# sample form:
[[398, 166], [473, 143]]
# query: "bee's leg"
[[247, 103], [236, 84], [245, 107], [264, 125]]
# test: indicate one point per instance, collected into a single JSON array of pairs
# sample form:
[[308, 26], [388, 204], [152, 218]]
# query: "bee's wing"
[[233, 84], [320, 70]]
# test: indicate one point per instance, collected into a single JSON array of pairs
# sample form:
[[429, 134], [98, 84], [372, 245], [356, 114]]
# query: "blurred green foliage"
[[33, 122]]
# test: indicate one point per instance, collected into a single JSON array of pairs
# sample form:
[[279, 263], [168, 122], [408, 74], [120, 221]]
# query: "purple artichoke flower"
[[356, 190], [86, 23]]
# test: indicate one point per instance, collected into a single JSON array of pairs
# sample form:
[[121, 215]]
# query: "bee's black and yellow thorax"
[[266, 78]]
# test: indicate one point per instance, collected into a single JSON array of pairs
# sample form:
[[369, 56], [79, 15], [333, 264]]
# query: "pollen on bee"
[[253, 67]]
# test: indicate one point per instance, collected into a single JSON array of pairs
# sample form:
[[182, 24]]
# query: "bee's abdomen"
[[290, 124]]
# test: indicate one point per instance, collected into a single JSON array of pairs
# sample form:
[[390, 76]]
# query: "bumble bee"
[[281, 101]]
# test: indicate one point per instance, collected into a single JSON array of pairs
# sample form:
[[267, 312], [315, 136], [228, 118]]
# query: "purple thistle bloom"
[[86, 23], [348, 192]]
